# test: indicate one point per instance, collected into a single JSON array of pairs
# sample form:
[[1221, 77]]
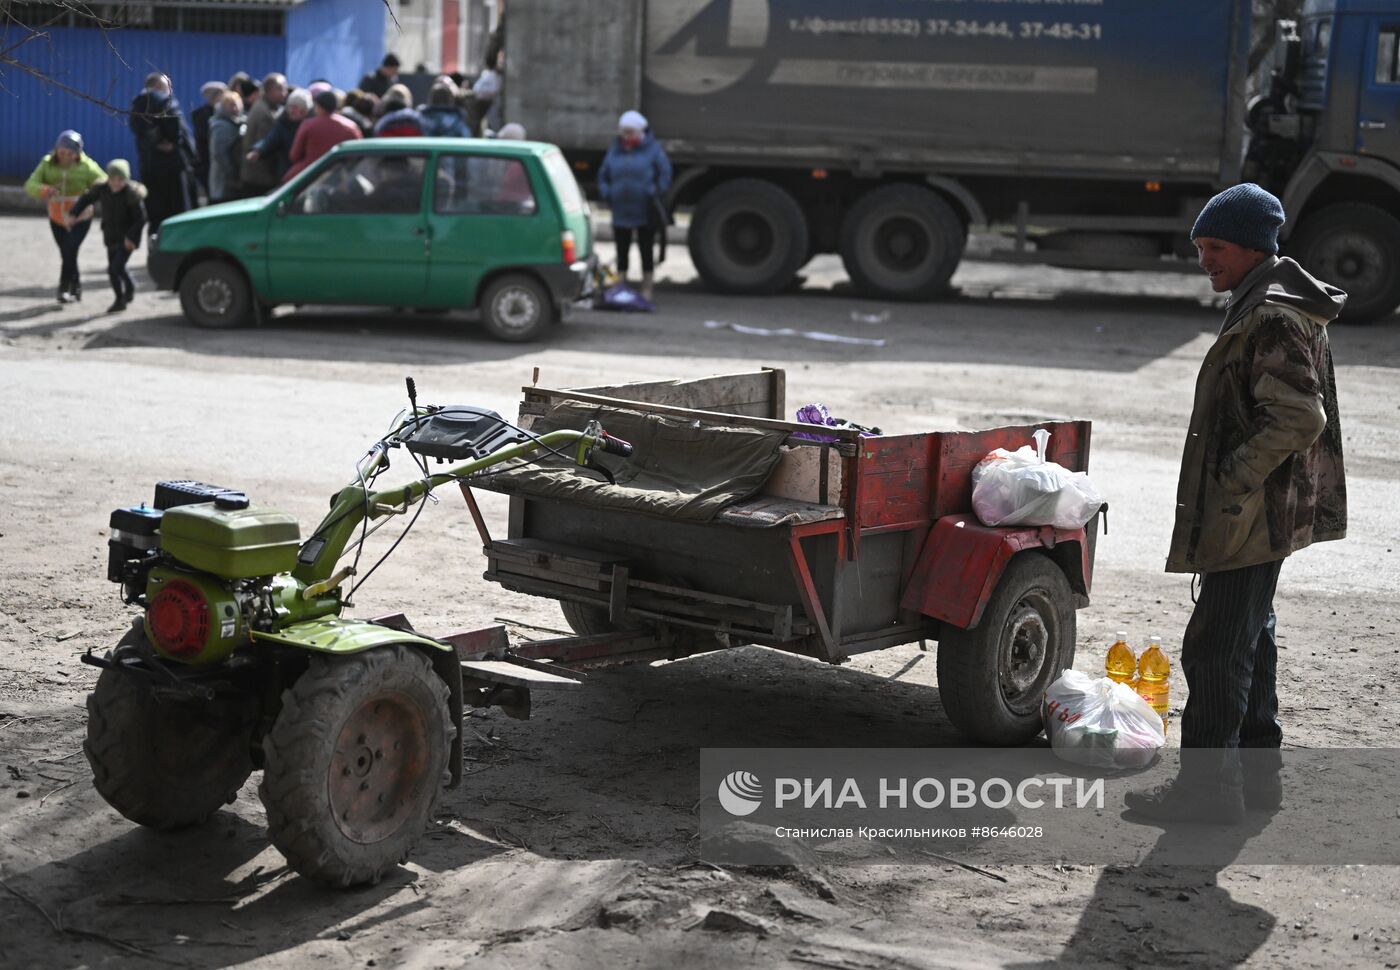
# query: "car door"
[[353, 232], [1378, 117], [485, 213]]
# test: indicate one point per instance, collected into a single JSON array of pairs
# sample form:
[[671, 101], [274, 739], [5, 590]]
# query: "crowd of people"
[[250, 136]]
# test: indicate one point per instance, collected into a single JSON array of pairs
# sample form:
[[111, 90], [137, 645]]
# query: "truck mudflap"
[[962, 561]]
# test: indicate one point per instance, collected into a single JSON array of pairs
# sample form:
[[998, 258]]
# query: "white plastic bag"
[[1100, 723], [1021, 488]]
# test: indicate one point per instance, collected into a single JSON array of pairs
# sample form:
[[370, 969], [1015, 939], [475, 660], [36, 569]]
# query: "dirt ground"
[[571, 842]]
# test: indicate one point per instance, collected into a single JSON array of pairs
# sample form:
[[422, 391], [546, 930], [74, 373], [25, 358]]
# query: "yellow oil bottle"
[[1154, 672], [1121, 665]]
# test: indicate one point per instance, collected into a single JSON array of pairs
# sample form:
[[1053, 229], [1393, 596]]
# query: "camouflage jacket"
[[1261, 473]]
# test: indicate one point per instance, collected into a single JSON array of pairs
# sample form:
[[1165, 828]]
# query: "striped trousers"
[[1230, 659]]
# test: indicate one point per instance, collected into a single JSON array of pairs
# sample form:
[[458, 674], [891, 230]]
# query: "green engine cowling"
[[197, 615]]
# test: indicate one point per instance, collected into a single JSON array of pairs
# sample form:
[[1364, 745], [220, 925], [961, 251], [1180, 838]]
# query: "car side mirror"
[[281, 208]]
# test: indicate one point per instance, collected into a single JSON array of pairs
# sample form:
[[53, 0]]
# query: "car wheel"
[[516, 308], [748, 236], [902, 242], [992, 678], [214, 294]]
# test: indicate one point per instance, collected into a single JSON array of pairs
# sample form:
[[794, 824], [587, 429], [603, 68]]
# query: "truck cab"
[[1325, 137]]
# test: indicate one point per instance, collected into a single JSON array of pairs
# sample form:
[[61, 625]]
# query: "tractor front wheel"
[[355, 762], [163, 762]]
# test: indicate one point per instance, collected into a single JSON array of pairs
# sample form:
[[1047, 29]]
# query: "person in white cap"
[[634, 176]]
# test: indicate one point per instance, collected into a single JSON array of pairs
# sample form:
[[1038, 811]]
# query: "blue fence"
[[111, 68]]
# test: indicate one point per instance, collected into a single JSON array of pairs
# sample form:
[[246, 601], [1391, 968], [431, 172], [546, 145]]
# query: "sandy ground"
[[571, 842]]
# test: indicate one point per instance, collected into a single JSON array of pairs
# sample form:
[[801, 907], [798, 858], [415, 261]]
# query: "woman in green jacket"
[[62, 176]]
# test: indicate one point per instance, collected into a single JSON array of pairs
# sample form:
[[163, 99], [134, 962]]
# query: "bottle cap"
[[1122, 634]]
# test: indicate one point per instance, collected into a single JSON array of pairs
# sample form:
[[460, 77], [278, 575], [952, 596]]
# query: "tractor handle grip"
[[615, 446]]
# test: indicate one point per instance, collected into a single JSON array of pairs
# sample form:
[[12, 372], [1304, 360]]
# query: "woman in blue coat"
[[634, 175]]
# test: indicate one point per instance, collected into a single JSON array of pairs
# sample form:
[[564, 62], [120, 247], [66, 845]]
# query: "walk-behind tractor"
[[732, 526], [242, 659]]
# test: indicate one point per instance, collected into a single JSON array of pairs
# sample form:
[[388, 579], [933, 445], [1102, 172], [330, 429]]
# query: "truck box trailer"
[[1091, 132]]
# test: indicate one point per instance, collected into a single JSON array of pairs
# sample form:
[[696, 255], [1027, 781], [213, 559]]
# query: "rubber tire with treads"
[[516, 308], [320, 743], [974, 682], [1350, 242], [902, 242], [748, 236], [215, 295], [163, 763]]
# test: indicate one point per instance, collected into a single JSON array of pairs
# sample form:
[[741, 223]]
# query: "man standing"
[[1261, 477], [386, 74], [165, 150], [320, 134], [200, 117], [259, 174]]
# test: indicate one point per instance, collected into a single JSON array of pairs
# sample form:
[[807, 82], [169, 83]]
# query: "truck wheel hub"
[[748, 238], [380, 757], [902, 244], [1352, 259]]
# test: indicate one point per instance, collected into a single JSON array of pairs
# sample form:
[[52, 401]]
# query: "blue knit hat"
[[1245, 215]]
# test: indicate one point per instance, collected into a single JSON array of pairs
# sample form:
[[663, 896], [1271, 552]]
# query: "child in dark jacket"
[[123, 217]]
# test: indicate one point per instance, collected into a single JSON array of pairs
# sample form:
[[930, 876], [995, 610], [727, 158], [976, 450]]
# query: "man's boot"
[[1216, 803], [648, 280], [1263, 785]]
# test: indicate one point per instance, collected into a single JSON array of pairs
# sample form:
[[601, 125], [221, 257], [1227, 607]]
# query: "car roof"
[[490, 146]]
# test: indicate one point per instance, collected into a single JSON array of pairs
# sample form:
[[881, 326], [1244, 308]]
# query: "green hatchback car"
[[400, 222]]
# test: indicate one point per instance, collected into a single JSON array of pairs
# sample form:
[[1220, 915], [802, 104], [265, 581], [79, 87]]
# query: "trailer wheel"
[[902, 242], [215, 295], [1357, 247], [163, 763], [355, 762], [748, 236], [993, 677], [585, 619]]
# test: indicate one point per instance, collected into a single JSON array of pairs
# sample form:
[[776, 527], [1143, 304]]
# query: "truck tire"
[[354, 763], [516, 308], [992, 678], [1357, 247], [163, 763], [215, 295], [902, 242], [748, 236]]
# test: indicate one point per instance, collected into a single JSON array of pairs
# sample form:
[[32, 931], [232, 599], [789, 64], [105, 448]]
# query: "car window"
[[479, 185], [564, 183], [365, 185]]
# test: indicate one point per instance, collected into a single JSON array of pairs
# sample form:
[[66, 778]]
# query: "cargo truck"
[[1089, 132]]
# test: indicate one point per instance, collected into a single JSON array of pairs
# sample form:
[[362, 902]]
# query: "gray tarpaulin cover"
[[679, 468]]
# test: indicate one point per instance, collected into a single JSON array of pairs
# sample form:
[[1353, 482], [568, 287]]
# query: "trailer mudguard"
[[962, 561]]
